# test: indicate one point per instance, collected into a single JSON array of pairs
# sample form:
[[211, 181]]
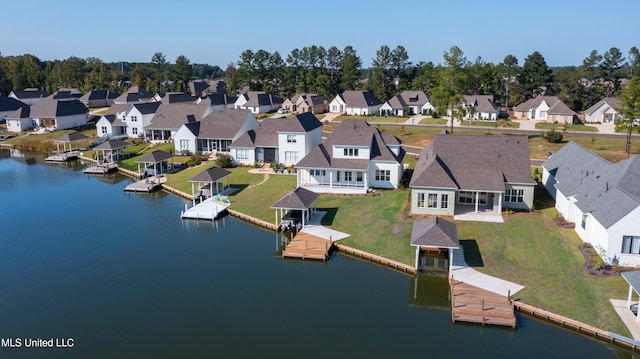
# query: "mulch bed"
[[562, 223], [599, 269]]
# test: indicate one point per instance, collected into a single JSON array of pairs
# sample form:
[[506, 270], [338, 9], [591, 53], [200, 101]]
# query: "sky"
[[217, 32]]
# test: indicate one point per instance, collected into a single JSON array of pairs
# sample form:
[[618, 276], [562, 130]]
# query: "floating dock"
[[61, 157], [101, 168], [208, 209], [148, 184], [308, 246], [474, 305]]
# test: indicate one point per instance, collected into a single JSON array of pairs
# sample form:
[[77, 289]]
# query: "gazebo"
[[208, 177], [633, 278], [299, 199], [159, 159], [434, 234], [113, 150], [69, 138]]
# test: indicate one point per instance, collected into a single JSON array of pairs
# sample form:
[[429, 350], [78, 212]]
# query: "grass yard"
[[433, 121], [611, 149], [559, 127], [180, 180], [491, 124], [256, 201], [548, 262], [380, 229]]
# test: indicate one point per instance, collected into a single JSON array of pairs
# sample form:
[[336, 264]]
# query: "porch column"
[[477, 197], [193, 194], [500, 202], [330, 179], [417, 257], [276, 219], [629, 296], [450, 260]]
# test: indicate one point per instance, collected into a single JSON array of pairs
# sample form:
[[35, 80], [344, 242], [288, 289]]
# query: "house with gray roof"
[[137, 116], [29, 95], [110, 124], [355, 103], [306, 102], [99, 98], [135, 94], [600, 197], [200, 88], [282, 140], [258, 102], [168, 118], [458, 174], [545, 108], [65, 93], [58, 114], [356, 157], [19, 120], [604, 111], [8, 105], [407, 103], [215, 132], [481, 107], [218, 101]]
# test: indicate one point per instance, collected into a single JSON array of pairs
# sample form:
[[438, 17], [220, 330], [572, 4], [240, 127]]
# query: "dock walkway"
[[475, 305], [308, 246], [61, 157], [148, 184], [101, 168], [208, 209]]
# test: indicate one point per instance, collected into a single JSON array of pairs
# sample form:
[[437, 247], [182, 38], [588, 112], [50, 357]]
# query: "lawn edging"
[[385, 262]]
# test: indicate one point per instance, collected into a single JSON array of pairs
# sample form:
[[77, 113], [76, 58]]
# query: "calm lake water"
[[124, 276]]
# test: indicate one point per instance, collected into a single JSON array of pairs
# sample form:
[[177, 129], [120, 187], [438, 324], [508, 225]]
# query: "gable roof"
[[607, 191], [353, 133], [435, 232], [259, 98], [471, 162], [556, 107], [134, 94], [29, 93], [112, 145], [10, 104], [147, 107], [300, 199], [118, 107], [220, 125], [215, 99], [212, 174], [175, 97], [172, 116], [22, 112], [604, 104], [154, 157], [408, 98], [360, 99], [482, 103], [72, 137], [57, 108], [95, 95]]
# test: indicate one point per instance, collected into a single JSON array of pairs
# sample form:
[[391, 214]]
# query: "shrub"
[[553, 136], [224, 161]]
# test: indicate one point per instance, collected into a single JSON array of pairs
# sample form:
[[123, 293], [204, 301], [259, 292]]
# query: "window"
[[334, 108], [444, 201], [351, 152], [134, 118], [348, 176], [318, 173], [420, 200], [466, 197], [104, 130], [184, 144], [358, 176], [432, 200], [631, 244], [242, 154], [514, 195], [134, 130], [543, 114], [584, 220], [383, 175], [291, 138], [291, 156]]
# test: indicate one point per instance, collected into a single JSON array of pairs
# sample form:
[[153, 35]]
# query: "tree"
[[159, 71], [182, 73], [634, 60], [400, 64], [426, 77], [508, 69], [276, 71], [334, 67], [536, 77], [591, 73], [231, 79], [612, 61], [380, 80], [351, 64], [630, 110]]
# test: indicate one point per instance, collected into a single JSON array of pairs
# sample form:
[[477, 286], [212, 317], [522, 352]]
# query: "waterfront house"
[[8, 105], [355, 103], [110, 124], [28, 95], [353, 159], [306, 102], [137, 116], [282, 140], [215, 132], [457, 174], [58, 114], [604, 111], [168, 118], [601, 198], [135, 94], [545, 108], [407, 103], [99, 98], [19, 120], [258, 102]]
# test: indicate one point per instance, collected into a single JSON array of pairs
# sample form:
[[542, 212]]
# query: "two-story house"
[[137, 116], [168, 118]]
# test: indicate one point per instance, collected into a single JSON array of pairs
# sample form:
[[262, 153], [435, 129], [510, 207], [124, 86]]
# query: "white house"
[[353, 159], [215, 132], [8, 105], [168, 118], [407, 103], [355, 103], [257, 102], [28, 95], [19, 120], [458, 174], [604, 111], [545, 108], [482, 107], [137, 116], [601, 198], [283, 140], [58, 114], [110, 124]]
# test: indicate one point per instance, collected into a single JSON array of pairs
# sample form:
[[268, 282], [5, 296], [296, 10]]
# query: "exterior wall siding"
[[433, 211]]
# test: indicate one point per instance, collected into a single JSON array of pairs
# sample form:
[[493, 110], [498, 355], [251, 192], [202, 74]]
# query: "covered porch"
[[158, 135], [435, 240], [155, 163], [481, 206], [213, 145], [209, 183], [112, 150], [334, 181], [299, 199]]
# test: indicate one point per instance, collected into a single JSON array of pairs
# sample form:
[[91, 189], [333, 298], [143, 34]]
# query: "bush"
[[553, 136], [224, 161]]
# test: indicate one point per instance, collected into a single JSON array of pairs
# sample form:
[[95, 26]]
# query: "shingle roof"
[[30, 93], [147, 108], [256, 98], [470, 162], [134, 94], [607, 102], [172, 116], [95, 95], [176, 97], [71, 137], [300, 199], [356, 133], [360, 99], [57, 108], [607, 191], [435, 232], [483, 103], [556, 107], [10, 104], [215, 99], [118, 107], [22, 112], [212, 174], [154, 157], [220, 125], [112, 145]]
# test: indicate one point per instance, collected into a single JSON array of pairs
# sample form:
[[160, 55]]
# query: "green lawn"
[[433, 121], [531, 250], [569, 128], [492, 124], [256, 201], [180, 180]]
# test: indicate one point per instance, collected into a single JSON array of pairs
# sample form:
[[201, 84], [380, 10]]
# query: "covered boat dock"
[[66, 154]]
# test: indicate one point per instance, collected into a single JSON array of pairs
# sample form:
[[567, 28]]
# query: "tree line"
[[333, 70]]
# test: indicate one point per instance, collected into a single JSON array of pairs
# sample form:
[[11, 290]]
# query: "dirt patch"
[[397, 229]]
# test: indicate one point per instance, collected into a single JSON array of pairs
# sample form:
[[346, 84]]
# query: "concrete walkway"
[[627, 317], [460, 271], [315, 228]]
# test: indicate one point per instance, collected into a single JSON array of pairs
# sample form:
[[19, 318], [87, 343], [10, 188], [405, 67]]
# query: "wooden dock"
[[101, 168], [307, 246], [474, 305], [148, 184], [61, 157]]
